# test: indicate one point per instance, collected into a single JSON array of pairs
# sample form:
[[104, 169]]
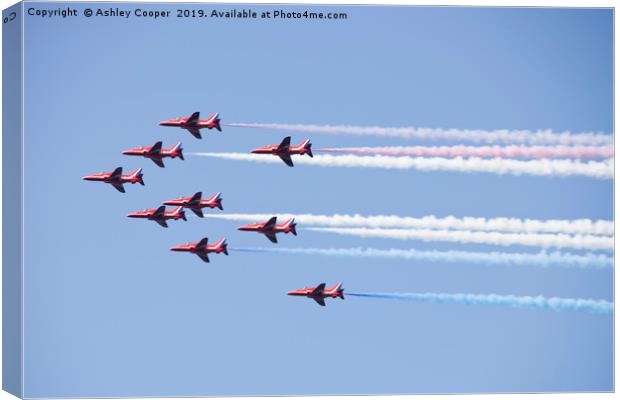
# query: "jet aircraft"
[[156, 153], [194, 124], [160, 215], [202, 248], [284, 150], [196, 204], [319, 293], [270, 228], [116, 178]]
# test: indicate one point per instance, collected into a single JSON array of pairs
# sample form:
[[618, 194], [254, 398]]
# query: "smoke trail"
[[541, 137], [493, 238], [577, 226], [481, 151], [541, 259], [543, 167], [552, 303]]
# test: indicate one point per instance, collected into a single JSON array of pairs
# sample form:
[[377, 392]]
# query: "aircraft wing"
[[193, 118], [195, 132], [319, 289], [155, 149], [272, 237], [196, 198], [159, 213], [159, 162], [119, 187], [319, 300], [203, 243], [198, 212], [285, 145], [118, 172], [204, 257], [271, 223], [287, 159], [162, 222]]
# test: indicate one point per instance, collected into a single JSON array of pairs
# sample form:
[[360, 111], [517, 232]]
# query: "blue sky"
[[110, 311]]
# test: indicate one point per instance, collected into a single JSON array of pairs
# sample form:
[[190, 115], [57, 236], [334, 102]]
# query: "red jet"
[[319, 293], [160, 215], [202, 248], [284, 150], [194, 124], [270, 228], [196, 204], [156, 153], [116, 178]]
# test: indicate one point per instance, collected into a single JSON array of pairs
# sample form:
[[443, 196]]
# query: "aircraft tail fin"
[[292, 225], [135, 173], [340, 290], [214, 119], [224, 246], [179, 211], [179, 150], [138, 175], [218, 200], [307, 146]]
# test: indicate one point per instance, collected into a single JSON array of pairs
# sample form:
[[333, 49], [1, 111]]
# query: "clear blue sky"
[[110, 311]]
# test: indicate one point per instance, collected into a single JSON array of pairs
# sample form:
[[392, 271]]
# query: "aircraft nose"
[[175, 248]]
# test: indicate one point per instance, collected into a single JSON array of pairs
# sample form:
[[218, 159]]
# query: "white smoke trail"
[[577, 226], [492, 238], [544, 167], [552, 303], [541, 137], [481, 151], [541, 259]]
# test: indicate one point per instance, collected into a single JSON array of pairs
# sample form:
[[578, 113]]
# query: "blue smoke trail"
[[552, 303], [542, 259]]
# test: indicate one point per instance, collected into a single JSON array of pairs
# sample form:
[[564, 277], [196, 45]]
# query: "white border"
[[483, 3]]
